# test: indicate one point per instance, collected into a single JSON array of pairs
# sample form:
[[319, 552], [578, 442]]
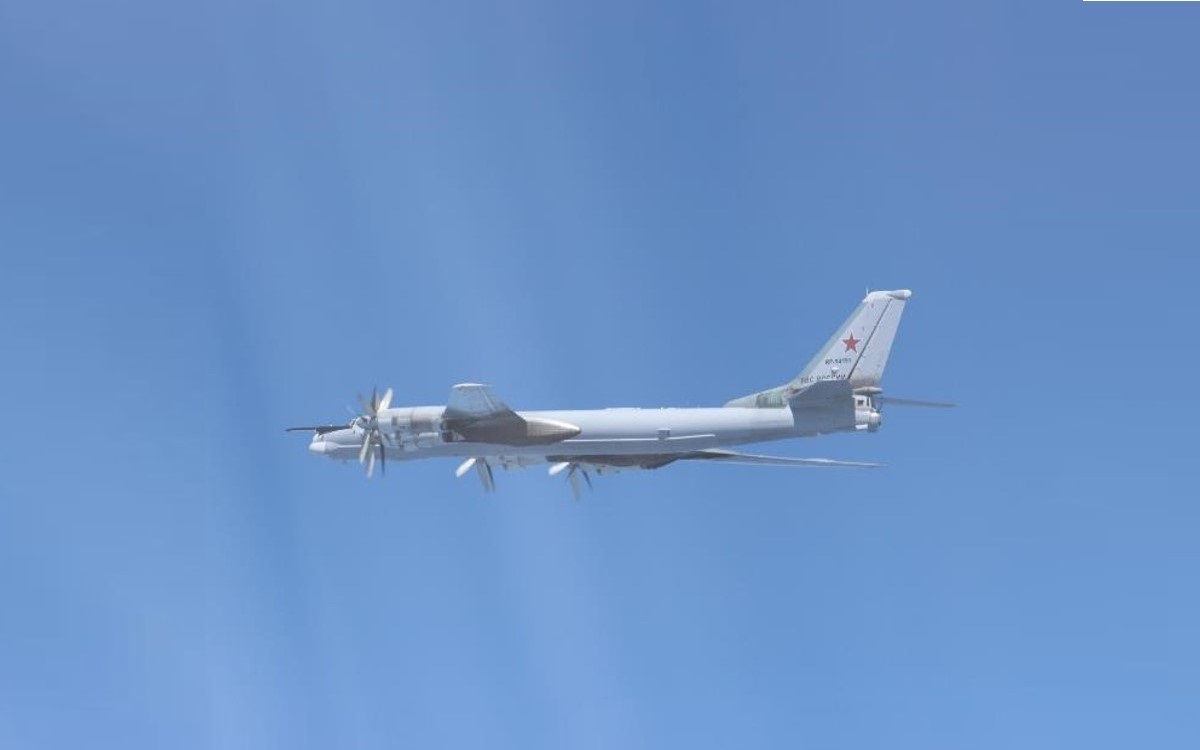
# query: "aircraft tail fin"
[[857, 351]]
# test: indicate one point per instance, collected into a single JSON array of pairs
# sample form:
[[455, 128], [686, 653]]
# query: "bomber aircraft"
[[838, 391]]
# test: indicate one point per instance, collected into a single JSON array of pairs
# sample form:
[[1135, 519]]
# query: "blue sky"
[[220, 219]]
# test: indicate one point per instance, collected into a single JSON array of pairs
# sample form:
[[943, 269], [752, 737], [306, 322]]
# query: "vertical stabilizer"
[[857, 351]]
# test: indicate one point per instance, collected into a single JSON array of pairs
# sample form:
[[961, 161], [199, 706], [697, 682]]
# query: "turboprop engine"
[[414, 427]]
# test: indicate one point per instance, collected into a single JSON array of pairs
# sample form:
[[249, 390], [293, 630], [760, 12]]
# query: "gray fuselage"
[[603, 432]]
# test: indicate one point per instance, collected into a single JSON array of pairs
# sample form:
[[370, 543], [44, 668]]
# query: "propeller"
[[482, 468], [372, 444], [913, 402], [574, 471], [876, 395]]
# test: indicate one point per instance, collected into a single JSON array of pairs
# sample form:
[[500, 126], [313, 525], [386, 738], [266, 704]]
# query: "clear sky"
[[219, 219]]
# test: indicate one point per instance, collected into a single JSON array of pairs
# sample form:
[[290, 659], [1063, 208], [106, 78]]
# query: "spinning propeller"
[[372, 436], [876, 395], [913, 402], [574, 471]]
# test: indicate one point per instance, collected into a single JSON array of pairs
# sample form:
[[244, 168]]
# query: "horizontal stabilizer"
[[717, 454], [821, 394]]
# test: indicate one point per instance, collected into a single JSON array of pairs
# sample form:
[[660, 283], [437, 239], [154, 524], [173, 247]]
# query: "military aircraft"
[[838, 391]]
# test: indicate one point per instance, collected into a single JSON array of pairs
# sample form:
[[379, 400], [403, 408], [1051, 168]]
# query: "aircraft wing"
[[475, 401], [577, 467], [605, 464], [717, 454], [479, 416], [583, 466]]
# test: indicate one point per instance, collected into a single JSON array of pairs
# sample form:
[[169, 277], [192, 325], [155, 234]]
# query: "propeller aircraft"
[[838, 391]]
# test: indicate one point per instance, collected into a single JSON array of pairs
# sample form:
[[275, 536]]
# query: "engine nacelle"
[[413, 427]]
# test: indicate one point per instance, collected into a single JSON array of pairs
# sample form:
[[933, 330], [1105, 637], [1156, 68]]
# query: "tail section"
[[857, 351]]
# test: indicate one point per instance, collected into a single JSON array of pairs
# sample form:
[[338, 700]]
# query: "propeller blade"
[[386, 401], [587, 478], [370, 464], [464, 467], [374, 401], [366, 448], [484, 470], [558, 468], [573, 478], [382, 460]]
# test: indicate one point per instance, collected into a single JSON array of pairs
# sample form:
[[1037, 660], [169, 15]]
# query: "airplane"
[[837, 391]]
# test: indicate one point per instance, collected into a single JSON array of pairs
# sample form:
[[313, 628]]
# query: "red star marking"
[[851, 343]]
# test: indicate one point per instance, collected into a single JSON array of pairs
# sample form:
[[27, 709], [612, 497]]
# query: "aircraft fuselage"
[[606, 432]]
